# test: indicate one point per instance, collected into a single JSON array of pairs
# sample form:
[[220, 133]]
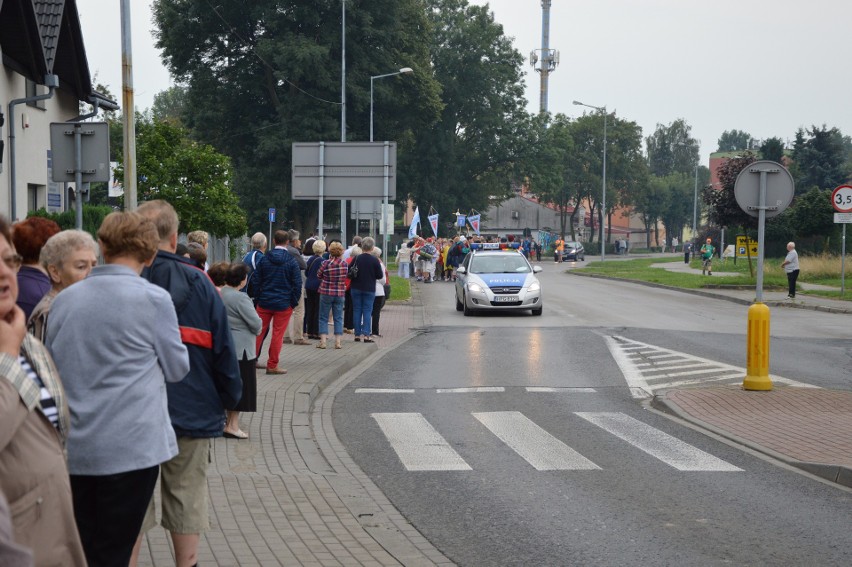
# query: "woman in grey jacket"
[[245, 325], [116, 342]]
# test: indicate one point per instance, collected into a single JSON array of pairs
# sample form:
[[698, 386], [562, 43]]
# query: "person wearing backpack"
[[258, 249]]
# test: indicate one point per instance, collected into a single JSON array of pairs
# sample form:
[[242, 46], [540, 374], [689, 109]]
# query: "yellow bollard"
[[757, 349]]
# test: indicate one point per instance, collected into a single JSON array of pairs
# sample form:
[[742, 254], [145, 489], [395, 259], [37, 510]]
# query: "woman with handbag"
[[368, 269]]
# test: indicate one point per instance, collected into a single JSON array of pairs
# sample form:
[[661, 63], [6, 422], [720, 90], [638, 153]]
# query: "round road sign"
[[779, 188], [841, 199]]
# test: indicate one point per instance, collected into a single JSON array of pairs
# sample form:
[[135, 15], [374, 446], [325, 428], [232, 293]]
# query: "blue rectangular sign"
[[271, 214]]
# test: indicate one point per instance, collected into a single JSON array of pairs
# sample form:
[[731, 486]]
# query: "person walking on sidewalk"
[[791, 267], [707, 251], [296, 328], [280, 283]]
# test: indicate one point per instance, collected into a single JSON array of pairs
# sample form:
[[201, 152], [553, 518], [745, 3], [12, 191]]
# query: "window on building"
[[36, 196]]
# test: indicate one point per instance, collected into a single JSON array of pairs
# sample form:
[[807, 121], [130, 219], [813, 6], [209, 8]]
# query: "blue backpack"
[[251, 261]]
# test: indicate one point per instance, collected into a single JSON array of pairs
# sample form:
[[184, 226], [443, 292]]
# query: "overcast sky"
[[766, 67]]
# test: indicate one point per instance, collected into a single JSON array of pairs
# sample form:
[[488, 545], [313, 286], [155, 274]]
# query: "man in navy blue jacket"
[[279, 282], [196, 404]]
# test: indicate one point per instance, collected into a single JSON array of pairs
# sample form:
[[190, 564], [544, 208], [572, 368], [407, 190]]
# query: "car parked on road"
[[491, 279]]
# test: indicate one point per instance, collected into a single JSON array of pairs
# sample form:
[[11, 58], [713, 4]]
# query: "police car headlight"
[[475, 287], [535, 286]]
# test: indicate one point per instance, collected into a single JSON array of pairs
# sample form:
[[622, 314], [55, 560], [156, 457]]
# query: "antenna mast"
[[544, 60]]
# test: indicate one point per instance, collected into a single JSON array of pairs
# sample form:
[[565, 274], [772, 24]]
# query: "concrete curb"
[[839, 474], [717, 295]]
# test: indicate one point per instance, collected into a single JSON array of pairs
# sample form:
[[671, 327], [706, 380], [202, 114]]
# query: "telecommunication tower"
[[544, 60]]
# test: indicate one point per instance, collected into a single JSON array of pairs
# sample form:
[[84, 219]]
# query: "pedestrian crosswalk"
[[421, 447], [648, 368]]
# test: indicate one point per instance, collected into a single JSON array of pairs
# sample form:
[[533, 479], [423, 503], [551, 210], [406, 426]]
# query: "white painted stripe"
[[417, 444], [660, 445], [480, 390], [538, 447], [634, 378], [384, 390], [547, 390], [675, 364], [666, 355], [669, 374], [703, 380]]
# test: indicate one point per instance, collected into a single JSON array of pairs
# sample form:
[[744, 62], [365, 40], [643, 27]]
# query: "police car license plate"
[[505, 298]]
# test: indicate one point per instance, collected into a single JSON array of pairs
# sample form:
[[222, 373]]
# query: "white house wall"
[[32, 133]]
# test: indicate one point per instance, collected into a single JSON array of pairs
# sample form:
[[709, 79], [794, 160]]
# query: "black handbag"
[[352, 274]]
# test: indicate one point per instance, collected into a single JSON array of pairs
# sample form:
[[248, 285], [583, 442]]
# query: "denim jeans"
[[362, 311], [403, 270], [335, 305]]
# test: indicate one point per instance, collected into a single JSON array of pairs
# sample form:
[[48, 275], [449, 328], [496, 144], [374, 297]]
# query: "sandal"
[[321, 345], [369, 341], [357, 339], [338, 346]]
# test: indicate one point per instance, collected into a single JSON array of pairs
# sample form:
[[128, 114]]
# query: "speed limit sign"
[[841, 199]]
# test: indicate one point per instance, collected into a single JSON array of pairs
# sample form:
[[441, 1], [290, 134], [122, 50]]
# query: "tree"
[[723, 209], [671, 149], [193, 177], [550, 146], [772, 149], [820, 157], [169, 105], [474, 153], [734, 141], [264, 74], [813, 214]]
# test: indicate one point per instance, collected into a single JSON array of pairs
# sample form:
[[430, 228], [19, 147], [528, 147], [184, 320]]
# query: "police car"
[[495, 279]]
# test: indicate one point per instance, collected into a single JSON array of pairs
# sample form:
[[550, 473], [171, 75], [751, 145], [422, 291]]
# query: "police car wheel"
[[537, 311], [467, 310], [459, 306]]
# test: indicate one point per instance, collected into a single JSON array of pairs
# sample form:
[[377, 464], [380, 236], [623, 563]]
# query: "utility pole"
[[544, 60]]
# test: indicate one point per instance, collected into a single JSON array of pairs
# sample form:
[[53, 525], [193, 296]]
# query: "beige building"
[[44, 78]]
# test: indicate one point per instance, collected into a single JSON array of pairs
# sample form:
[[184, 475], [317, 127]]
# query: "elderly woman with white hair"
[[382, 290], [67, 257], [791, 267]]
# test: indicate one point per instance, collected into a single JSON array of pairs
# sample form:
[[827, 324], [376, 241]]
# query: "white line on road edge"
[[537, 447], [485, 389], [418, 445], [384, 391], [547, 390], [631, 374], [668, 449]]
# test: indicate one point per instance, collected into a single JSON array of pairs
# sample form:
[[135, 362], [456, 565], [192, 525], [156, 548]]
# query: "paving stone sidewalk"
[[809, 428], [290, 495]]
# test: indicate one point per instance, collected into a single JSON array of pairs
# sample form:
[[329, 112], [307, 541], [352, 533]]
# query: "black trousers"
[[378, 303], [109, 510], [348, 314], [791, 282], [312, 312]]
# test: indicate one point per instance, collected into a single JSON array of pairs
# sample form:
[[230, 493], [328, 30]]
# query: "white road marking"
[[384, 391], [538, 447], [418, 445], [547, 390], [660, 445], [635, 381], [480, 390], [645, 372]]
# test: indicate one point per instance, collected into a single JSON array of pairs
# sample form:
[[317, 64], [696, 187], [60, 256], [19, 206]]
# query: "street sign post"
[[763, 189], [841, 200], [271, 221], [80, 152]]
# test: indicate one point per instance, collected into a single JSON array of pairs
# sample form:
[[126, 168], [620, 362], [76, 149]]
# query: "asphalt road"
[[554, 460]]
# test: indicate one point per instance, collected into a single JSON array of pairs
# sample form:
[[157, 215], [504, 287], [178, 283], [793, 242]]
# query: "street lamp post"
[[695, 205], [601, 109], [402, 71]]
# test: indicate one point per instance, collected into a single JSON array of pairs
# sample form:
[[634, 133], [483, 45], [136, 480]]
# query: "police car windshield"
[[512, 263]]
